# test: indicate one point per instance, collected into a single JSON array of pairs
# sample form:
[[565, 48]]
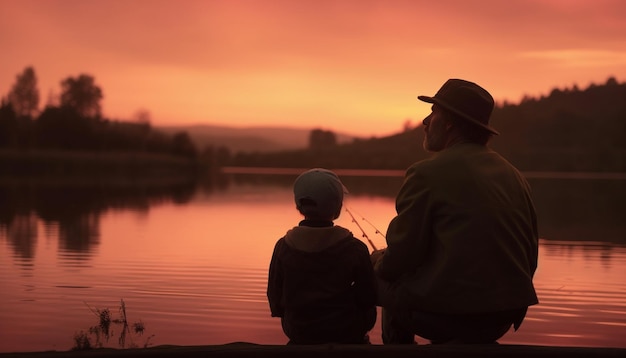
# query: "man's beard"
[[434, 138]]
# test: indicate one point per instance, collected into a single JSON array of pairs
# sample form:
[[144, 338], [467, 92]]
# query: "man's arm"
[[409, 232]]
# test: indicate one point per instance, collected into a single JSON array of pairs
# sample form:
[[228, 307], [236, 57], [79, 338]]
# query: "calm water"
[[190, 261]]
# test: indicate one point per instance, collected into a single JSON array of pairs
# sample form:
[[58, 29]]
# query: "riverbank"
[[244, 349], [64, 163]]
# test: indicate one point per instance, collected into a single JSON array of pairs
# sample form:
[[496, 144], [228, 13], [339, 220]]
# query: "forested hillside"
[[568, 130]]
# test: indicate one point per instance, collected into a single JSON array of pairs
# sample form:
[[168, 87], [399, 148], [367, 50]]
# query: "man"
[[462, 251]]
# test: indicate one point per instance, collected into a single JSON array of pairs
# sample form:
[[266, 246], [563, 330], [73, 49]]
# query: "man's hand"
[[376, 255]]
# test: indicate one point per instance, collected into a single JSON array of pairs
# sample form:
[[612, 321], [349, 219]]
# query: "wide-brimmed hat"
[[467, 99], [318, 193]]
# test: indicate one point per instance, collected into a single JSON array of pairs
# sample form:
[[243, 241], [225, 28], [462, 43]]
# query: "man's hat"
[[467, 99]]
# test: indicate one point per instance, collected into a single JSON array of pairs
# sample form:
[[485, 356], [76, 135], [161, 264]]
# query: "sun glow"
[[349, 66]]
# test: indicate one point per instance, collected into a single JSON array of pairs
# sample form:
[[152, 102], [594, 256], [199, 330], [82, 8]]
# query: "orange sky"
[[351, 66]]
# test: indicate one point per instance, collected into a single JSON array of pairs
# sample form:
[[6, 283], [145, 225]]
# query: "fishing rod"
[[372, 225], [362, 231]]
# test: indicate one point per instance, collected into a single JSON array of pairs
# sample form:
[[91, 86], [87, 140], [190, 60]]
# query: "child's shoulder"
[[353, 242]]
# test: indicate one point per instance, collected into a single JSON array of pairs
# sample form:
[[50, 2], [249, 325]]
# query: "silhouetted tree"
[[407, 126], [612, 82], [157, 142], [8, 124], [320, 139], [24, 95], [214, 157], [182, 145], [65, 128], [16, 132], [222, 155], [143, 117], [81, 94]]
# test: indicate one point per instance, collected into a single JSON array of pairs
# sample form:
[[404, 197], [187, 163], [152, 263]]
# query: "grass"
[[99, 335]]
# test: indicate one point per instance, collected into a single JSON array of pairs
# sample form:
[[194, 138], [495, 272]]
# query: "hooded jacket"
[[321, 284]]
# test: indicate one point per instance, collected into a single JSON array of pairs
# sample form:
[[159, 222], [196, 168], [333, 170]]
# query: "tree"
[[8, 124], [407, 125], [319, 139], [612, 82], [81, 94], [24, 96], [183, 145], [64, 128], [143, 116]]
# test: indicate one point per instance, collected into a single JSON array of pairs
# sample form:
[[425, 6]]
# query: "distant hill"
[[249, 139]]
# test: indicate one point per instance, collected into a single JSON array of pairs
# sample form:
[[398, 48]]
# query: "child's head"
[[319, 194]]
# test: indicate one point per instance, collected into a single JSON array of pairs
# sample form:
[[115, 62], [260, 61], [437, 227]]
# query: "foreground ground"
[[242, 349]]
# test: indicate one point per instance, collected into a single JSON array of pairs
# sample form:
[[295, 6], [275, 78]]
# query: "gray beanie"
[[319, 194]]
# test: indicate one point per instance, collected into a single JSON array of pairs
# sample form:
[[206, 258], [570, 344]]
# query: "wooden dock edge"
[[245, 350]]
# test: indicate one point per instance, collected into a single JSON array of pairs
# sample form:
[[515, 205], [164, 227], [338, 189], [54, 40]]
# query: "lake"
[[189, 259]]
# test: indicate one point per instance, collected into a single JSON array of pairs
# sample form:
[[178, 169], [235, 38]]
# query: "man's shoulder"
[[430, 164], [453, 154]]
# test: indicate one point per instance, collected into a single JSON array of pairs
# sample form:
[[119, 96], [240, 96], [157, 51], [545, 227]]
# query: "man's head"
[[318, 194], [465, 106]]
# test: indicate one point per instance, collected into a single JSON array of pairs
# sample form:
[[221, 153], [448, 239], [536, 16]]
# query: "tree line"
[[570, 129], [73, 121]]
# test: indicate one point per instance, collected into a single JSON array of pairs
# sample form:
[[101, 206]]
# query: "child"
[[321, 281]]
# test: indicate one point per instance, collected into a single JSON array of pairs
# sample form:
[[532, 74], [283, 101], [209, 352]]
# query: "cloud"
[[319, 60], [580, 57]]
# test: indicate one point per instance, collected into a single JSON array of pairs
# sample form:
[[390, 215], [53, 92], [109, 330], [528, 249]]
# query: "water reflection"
[[190, 257], [71, 209], [568, 210], [581, 210], [21, 233], [385, 186], [601, 252]]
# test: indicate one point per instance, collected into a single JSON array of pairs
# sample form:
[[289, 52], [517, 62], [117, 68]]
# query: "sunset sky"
[[352, 66]]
